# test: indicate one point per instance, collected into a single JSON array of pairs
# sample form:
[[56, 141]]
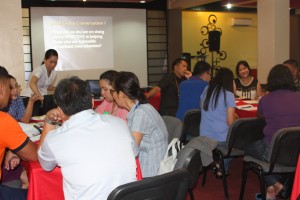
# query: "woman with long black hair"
[[218, 110], [144, 122]]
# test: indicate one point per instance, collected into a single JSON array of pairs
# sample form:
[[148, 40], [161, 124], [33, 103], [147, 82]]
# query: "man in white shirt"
[[93, 150]]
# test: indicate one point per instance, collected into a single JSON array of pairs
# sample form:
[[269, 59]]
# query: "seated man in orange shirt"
[[13, 139]]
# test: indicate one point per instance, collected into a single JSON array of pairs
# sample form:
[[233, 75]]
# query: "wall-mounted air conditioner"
[[241, 22]]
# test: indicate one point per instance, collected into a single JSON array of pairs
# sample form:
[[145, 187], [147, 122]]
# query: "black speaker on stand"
[[214, 45], [214, 40]]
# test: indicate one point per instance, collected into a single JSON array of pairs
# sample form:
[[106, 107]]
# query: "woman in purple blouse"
[[280, 108]]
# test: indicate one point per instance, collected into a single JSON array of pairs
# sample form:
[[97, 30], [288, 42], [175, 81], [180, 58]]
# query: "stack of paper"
[[32, 132], [246, 107]]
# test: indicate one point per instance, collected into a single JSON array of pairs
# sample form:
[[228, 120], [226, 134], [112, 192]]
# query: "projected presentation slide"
[[74, 35], [90, 41]]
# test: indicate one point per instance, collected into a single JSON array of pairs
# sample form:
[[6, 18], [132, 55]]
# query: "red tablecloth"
[[48, 185], [245, 113], [296, 186], [155, 101], [97, 102], [42, 184]]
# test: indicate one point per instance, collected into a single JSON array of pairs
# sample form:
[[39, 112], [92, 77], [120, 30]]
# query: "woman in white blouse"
[[41, 81]]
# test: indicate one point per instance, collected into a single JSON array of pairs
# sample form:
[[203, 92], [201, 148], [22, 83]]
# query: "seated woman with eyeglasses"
[[16, 106], [109, 106], [144, 122]]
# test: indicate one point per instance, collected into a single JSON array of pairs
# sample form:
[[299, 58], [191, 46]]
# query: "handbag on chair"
[[169, 161]]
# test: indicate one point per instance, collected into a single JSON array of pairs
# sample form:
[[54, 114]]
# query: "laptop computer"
[[94, 87]]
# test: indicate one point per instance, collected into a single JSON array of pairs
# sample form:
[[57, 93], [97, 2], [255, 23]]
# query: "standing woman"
[[109, 105], [246, 86], [218, 110], [41, 81], [144, 122]]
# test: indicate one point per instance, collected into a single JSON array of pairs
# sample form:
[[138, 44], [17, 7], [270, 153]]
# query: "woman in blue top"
[[218, 109]]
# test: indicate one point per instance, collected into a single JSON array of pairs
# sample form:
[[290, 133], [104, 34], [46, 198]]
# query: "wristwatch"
[[48, 121]]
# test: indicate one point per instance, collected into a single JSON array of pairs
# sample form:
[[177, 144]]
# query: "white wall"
[[11, 42]]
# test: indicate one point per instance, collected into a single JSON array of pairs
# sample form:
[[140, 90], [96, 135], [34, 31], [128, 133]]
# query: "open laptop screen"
[[94, 86]]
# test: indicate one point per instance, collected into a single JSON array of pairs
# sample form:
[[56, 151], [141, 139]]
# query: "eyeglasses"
[[112, 91]]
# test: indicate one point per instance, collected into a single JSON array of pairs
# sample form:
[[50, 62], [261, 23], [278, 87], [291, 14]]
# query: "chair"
[[189, 158], [283, 155], [241, 133], [191, 123], [170, 186], [174, 127]]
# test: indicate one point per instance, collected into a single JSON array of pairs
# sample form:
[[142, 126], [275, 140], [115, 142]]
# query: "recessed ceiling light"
[[228, 5], [83, 0], [142, 1]]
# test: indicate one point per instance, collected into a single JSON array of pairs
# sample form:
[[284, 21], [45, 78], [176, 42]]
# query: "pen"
[[246, 107], [40, 130]]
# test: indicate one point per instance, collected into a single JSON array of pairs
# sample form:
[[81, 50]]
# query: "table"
[[42, 184], [97, 102], [246, 109], [49, 185], [155, 101]]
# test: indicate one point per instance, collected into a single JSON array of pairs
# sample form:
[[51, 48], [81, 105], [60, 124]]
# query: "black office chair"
[[241, 133], [170, 186], [189, 158], [174, 127], [191, 123], [284, 151]]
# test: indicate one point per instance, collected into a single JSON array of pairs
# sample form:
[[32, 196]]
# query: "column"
[[273, 35]]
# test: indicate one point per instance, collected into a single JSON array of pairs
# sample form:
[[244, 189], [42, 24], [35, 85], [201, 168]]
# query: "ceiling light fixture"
[[228, 5], [142, 1]]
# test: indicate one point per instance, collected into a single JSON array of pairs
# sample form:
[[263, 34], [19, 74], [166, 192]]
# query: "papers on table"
[[32, 132], [247, 107], [38, 118]]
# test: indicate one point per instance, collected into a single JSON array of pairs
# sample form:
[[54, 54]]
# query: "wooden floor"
[[213, 190]]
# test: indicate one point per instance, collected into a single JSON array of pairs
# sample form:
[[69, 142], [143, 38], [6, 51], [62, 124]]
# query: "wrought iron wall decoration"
[[205, 44]]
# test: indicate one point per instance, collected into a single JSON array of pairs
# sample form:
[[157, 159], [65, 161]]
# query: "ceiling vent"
[[241, 22]]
